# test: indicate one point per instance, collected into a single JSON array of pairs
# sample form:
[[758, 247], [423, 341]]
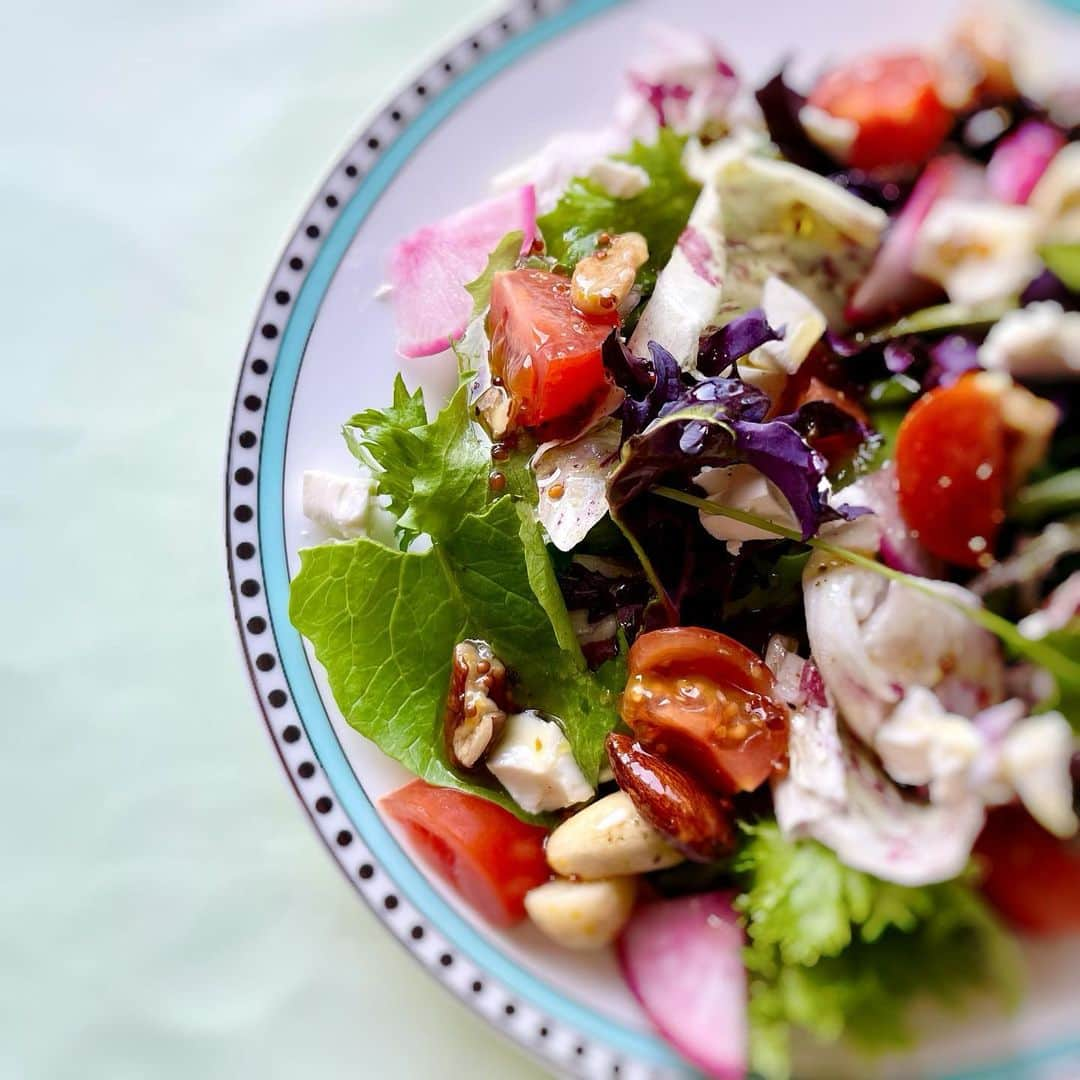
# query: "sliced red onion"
[[1020, 159], [892, 288]]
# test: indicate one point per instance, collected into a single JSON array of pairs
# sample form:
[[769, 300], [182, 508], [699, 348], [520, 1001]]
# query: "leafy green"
[[432, 473], [504, 257], [383, 623], [659, 212], [777, 582], [840, 953], [1064, 262], [1066, 641], [1052, 497], [941, 317]]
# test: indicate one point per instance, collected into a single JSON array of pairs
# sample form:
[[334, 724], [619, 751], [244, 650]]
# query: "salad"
[[727, 612]]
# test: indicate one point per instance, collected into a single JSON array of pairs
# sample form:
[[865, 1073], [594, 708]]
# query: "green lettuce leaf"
[[432, 473], [504, 257], [383, 623], [659, 212], [840, 953]]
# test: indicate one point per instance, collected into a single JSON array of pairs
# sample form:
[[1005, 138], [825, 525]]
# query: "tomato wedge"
[[894, 103], [1032, 877], [951, 471], [545, 351], [490, 857], [703, 701]]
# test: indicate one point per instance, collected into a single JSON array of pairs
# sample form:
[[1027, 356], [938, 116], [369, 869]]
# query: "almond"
[[692, 819]]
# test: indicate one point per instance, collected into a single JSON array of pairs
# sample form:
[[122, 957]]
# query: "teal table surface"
[[166, 909]]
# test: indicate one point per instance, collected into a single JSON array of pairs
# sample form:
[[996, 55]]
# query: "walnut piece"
[[476, 704]]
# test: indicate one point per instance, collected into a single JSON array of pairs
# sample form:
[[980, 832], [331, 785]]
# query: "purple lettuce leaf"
[[650, 384], [718, 422], [780, 105], [720, 349], [1048, 286]]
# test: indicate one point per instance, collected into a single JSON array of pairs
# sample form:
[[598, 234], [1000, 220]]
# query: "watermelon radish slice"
[[683, 961], [430, 268], [891, 288]]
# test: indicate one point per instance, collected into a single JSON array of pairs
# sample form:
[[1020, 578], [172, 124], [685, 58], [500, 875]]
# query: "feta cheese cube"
[[1035, 759], [533, 761], [1040, 341], [977, 251], [338, 504]]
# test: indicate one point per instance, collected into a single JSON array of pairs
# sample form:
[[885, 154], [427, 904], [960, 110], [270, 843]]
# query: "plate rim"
[[533, 1017], [525, 1017]]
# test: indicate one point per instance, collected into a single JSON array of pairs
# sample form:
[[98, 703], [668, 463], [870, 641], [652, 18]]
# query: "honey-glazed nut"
[[602, 281], [476, 703], [692, 819]]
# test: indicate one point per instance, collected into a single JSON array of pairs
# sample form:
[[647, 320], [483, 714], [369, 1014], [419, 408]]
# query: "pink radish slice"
[[683, 961], [430, 269], [891, 288], [1020, 160]]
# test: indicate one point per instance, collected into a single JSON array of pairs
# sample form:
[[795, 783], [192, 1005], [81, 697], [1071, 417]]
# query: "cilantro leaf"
[[432, 473], [504, 257], [659, 212], [841, 953], [384, 623]]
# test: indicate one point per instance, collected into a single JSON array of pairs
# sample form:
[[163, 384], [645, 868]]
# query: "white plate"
[[322, 348]]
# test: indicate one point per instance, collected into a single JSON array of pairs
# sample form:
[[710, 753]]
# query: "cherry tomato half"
[[894, 103], [1032, 876], [545, 351], [490, 857], [950, 471], [702, 700]]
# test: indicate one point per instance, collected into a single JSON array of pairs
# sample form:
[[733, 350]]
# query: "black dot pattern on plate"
[[243, 475]]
